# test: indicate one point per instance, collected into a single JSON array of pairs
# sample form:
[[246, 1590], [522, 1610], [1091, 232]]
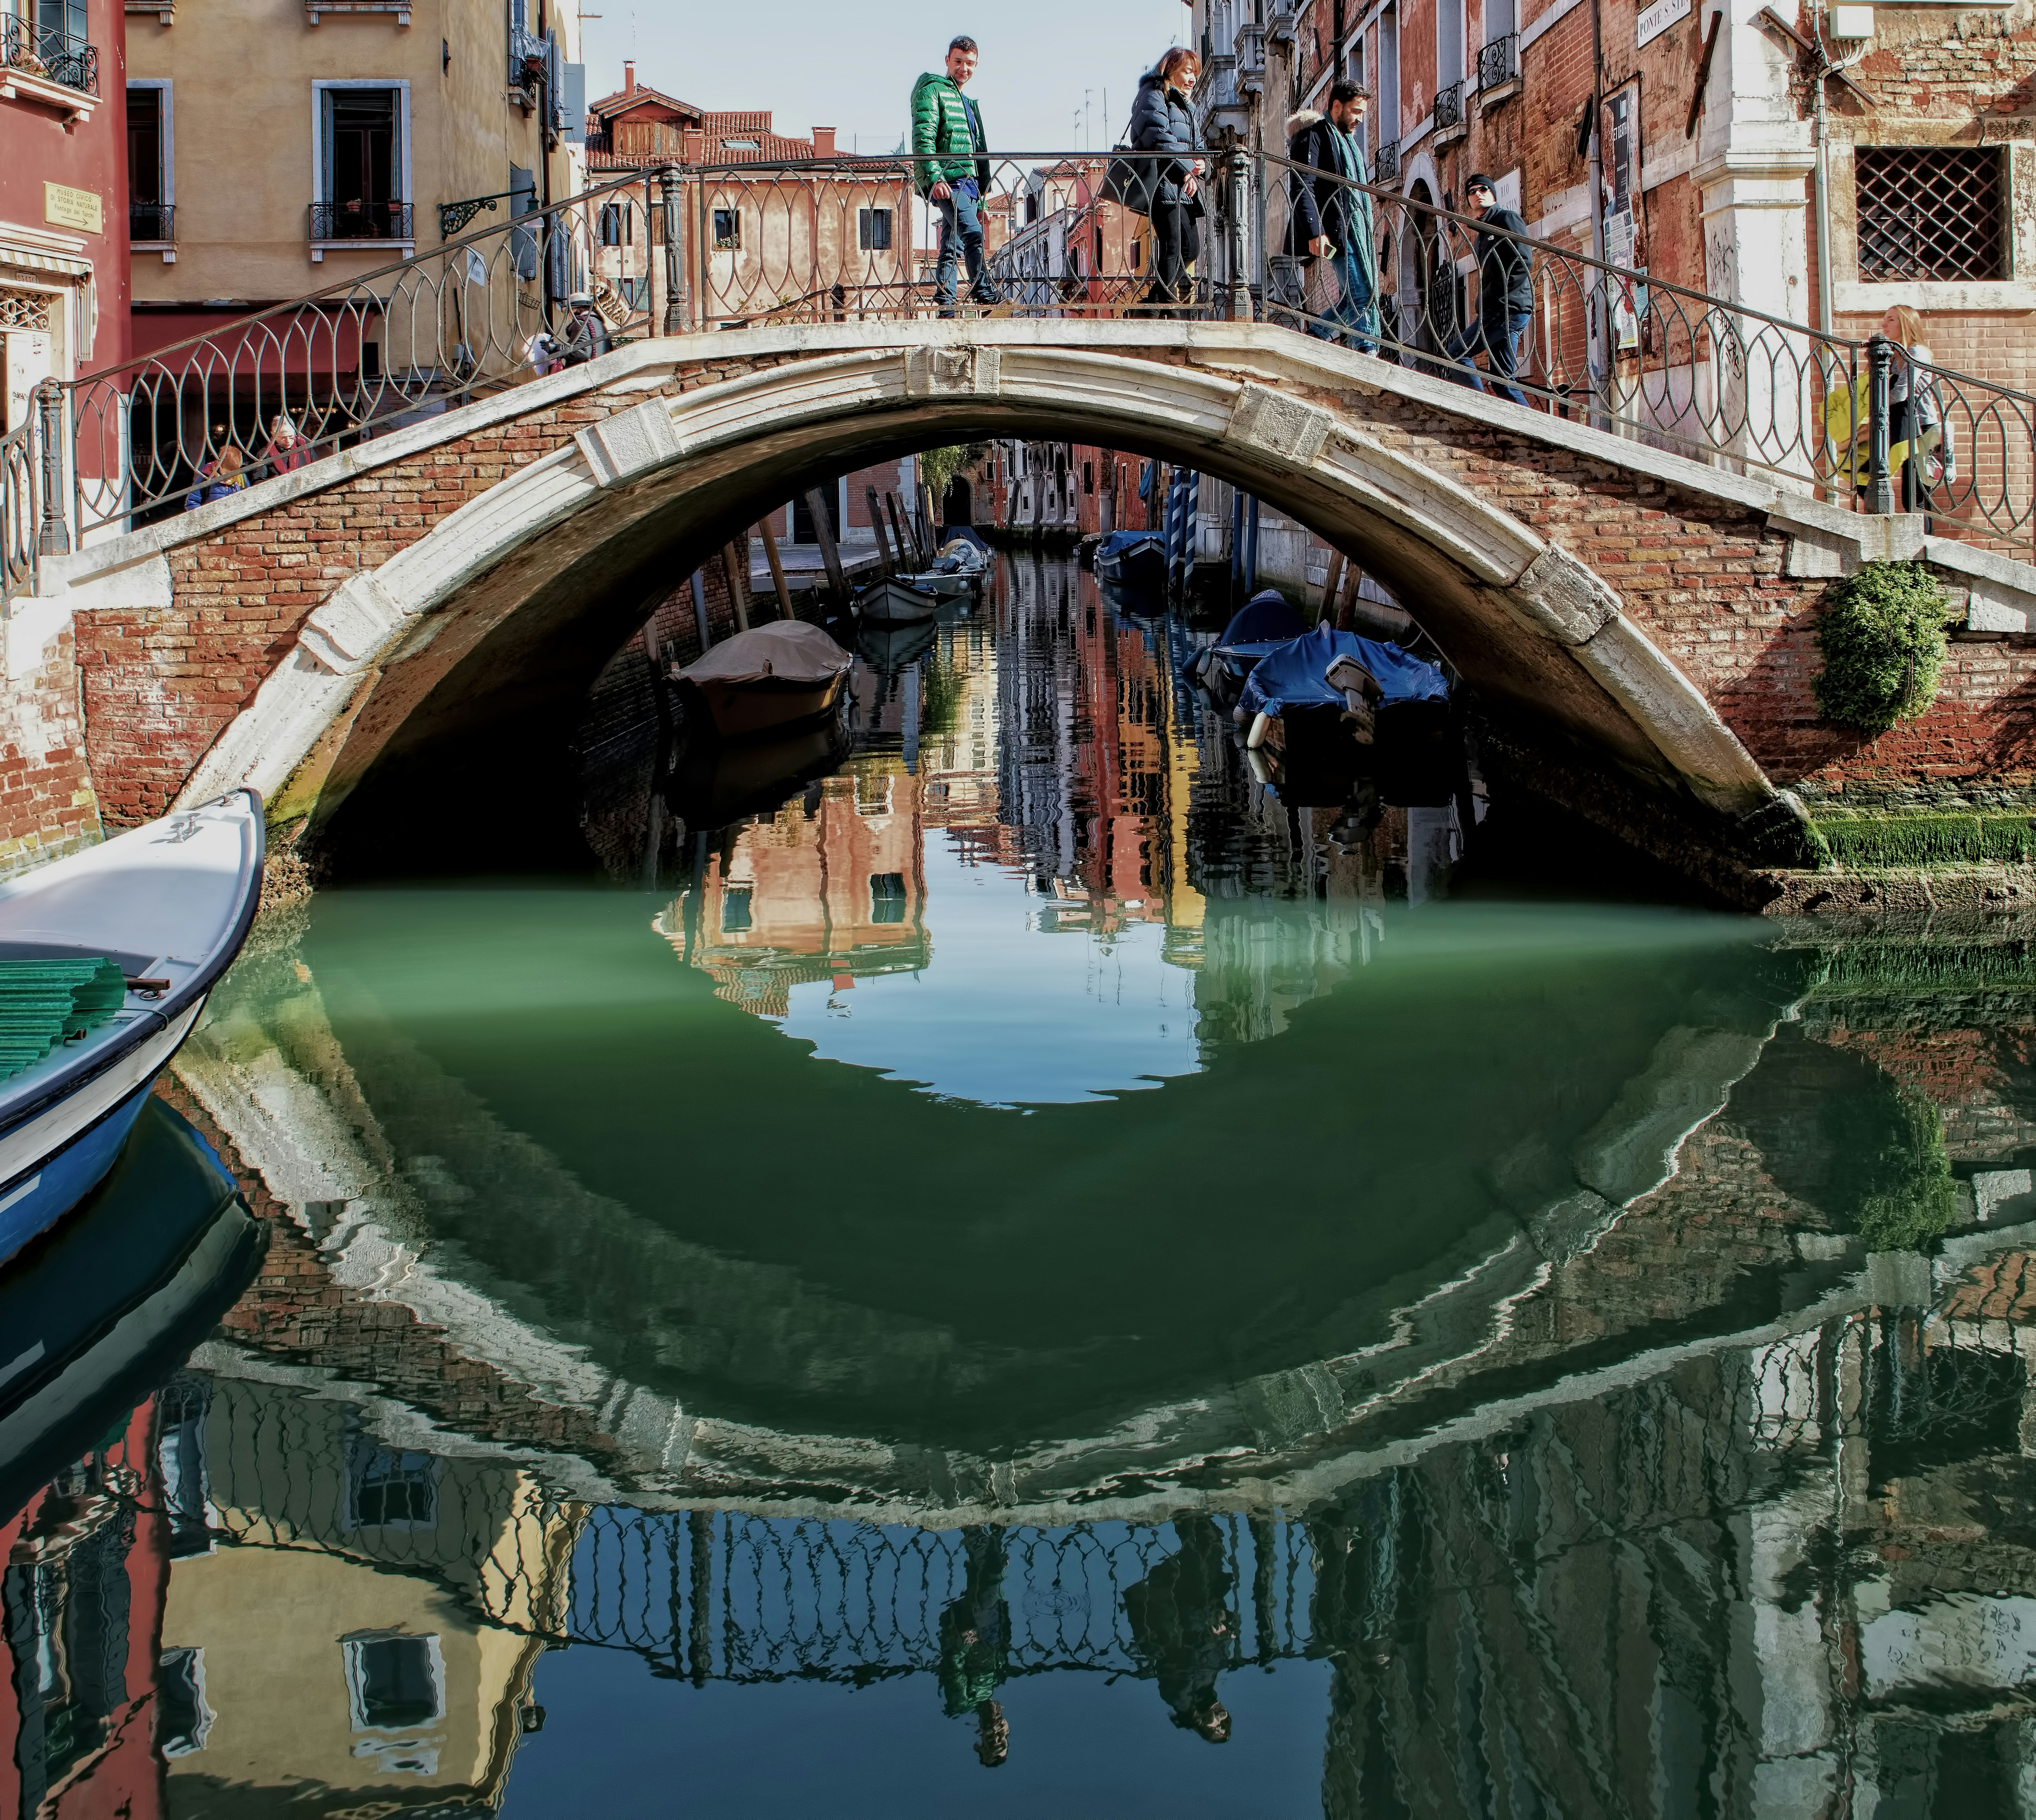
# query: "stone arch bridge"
[[1641, 622]]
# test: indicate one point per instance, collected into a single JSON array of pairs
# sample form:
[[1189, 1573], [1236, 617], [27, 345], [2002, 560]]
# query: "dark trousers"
[[961, 241], [1500, 343], [1176, 246]]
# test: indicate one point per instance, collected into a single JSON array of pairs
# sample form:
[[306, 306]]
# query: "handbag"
[[1129, 183]]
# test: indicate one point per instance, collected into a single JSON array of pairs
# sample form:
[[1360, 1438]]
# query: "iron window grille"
[[152, 222], [1449, 107], [1931, 213], [1498, 61], [358, 220], [1387, 170], [48, 50]]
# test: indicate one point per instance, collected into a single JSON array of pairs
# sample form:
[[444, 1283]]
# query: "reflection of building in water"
[[82, 1572], [837, 893], [349, 1621]]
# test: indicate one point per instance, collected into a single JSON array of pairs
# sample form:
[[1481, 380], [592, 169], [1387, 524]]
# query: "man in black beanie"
[[1505, 296]]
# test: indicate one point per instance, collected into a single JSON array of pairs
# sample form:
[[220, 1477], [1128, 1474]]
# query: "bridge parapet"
[[843, 241]]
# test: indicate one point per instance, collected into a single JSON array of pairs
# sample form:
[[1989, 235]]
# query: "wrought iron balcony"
[[1499, 62], [1387, 165], [1449, 110], [358, 221], [152, 223], [527, 56], [49, 51]]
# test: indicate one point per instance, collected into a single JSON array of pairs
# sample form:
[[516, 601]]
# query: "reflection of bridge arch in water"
[[1509, 1600]]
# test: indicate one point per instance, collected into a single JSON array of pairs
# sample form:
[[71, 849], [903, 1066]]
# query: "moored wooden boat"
[[106, 959], [891, 602], [769, 679]]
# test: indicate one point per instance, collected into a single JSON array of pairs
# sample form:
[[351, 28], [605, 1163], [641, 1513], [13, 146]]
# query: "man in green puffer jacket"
[[953, 172]]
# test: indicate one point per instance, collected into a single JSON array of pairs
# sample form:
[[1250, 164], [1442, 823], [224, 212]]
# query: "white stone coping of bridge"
[[1244, 390]]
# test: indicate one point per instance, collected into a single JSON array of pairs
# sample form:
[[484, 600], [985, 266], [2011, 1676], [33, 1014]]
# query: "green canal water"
[[1031, 1276]]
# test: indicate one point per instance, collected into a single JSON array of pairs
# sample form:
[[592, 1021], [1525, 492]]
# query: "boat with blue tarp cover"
[[105, 960], [1132, 559]]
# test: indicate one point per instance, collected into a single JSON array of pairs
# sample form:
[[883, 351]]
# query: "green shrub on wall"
[[1913, 1197], [1882, 635]]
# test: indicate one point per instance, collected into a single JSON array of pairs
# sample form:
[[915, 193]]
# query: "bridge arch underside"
[[501, 617]]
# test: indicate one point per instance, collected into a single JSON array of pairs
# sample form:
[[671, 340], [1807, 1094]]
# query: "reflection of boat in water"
[[892, 603], [1136, 559], [97, 1313], [712, 784], [769, 679], [105, 961], [891, 648], [1135, 601]]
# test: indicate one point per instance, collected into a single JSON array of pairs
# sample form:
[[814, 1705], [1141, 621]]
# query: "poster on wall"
[[1657, 18]]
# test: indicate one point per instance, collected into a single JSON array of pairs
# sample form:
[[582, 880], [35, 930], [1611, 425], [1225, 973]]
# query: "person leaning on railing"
[[217, 479], [1330, 218], [953, 172], [1505, 297], [1163, 121], [1919, 448]]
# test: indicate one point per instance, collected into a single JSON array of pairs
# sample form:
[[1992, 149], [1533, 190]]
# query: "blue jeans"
[[961, 237], [1353, 318], [1501, 347]]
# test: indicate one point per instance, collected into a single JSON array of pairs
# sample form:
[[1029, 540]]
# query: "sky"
[[827, 63]]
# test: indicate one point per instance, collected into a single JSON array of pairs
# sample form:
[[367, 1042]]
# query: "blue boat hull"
[[60, 1181]]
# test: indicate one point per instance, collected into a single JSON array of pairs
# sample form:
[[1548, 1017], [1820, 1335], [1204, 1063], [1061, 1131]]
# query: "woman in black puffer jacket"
[[1162, 121]]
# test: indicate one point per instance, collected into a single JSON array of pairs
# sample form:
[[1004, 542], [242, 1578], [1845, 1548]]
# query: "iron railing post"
[[1237, 302], [54, 539], [1880, 483], [667, 204]]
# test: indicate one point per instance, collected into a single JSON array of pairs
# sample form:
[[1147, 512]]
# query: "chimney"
[[823, 142], [628, 79]]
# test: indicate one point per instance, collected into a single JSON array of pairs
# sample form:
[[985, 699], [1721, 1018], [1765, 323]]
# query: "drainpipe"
[[1821, 181], [1251, 551], [1598, 353]]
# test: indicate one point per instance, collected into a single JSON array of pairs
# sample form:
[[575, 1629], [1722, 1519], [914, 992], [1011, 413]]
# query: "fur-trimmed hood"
[[1300, 121]]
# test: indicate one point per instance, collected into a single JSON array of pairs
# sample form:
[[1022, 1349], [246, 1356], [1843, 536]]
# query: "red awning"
[[301, 343]]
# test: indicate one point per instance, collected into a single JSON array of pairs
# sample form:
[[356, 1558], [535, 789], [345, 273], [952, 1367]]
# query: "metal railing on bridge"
[[677, 249]]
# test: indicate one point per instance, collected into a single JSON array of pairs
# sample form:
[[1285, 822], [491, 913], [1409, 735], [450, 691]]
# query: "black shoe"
[[989, 296]]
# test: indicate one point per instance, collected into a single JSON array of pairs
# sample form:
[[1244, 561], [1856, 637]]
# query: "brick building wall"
[[48, 807]]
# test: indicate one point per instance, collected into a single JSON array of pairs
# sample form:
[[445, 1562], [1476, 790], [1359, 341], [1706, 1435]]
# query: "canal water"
[[987, 1262]]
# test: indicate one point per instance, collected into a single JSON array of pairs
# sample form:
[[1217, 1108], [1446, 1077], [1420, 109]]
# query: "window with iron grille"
[[1933, 213]]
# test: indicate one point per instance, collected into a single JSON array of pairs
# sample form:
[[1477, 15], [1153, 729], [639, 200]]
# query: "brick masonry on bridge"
[[1703, 568]]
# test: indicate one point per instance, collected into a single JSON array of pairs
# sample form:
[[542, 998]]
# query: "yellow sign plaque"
[[64, 207]]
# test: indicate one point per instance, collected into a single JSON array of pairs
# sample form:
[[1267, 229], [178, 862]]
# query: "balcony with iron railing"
[[46, 53], [152, 223], [331, 223], [1386, 167], [1449, 114], [1498, 69]]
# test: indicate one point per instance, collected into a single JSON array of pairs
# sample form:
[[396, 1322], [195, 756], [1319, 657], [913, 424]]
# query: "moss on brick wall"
[[1900, 840]]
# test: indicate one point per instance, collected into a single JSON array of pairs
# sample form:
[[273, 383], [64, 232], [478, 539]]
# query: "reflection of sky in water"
[[1009, 1013]]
